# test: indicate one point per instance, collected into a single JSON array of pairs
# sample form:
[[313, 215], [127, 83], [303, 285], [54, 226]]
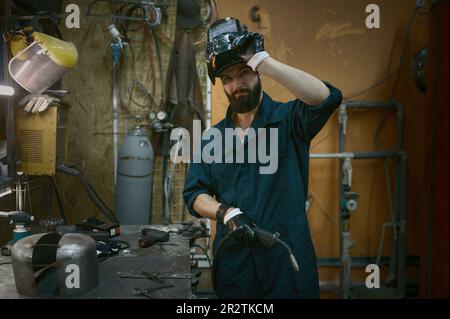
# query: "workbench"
[[169, 258]]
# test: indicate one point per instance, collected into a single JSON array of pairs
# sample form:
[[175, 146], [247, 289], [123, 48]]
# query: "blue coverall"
[[276, 202]]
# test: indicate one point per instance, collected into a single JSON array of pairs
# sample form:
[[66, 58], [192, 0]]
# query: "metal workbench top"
[[170, 258]]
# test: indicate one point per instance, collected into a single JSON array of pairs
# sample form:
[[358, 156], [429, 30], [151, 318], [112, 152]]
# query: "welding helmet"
[[220, 53]]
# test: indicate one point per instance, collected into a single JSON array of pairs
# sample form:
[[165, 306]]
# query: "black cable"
[[58, 199], [261, 236], [291, 255], [130, 90], [135, 81], [205, 252], [129, 14], [110, 248], [214, 264], [98, 201], [166, 203], [376, 84], [92, 194], [399, 69], [405, 43], [160, 64], [397, 74], [54, 20], [122, 244]]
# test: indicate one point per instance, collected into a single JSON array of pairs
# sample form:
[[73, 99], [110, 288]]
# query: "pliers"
[[145, 291]]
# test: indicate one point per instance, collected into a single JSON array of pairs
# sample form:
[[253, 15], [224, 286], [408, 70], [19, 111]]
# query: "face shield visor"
[[219, 49]]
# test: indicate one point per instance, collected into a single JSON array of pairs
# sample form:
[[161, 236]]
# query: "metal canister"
[[50, 264]]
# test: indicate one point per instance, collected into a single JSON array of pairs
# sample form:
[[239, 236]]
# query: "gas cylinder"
[[134, 178]]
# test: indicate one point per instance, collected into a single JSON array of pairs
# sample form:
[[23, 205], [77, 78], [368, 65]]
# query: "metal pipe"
[[400, 126], [19, 192], [5, 191], [397, 264], [362, 262], [10, 111], [329, 286], [369, 104], [344, 278], [116, 47], [115, 121], [391, 206], [331, 155], [403, 200], [165, 197], [392, 275], [357, 155], [393, 265], [381, 243]]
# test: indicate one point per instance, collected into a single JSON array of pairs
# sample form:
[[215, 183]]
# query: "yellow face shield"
[[42, 63]]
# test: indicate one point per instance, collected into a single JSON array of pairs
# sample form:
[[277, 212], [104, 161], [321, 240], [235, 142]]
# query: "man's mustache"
[[241, 90]]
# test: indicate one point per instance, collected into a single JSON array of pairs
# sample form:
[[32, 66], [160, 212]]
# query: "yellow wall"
[[329, 39]]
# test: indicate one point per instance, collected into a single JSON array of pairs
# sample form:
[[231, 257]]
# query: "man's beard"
[[247, 101]]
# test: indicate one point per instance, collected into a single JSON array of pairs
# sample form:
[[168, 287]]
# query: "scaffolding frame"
[[397, 258]]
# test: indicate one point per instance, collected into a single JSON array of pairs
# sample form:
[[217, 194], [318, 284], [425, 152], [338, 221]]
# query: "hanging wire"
[[160, 64], [389, 193], [125, 27], [134, 82], [377, 142], [396, 73], [205, 252]]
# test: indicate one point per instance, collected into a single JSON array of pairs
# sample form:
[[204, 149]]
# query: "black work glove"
[[240, 228], [248, 45]]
